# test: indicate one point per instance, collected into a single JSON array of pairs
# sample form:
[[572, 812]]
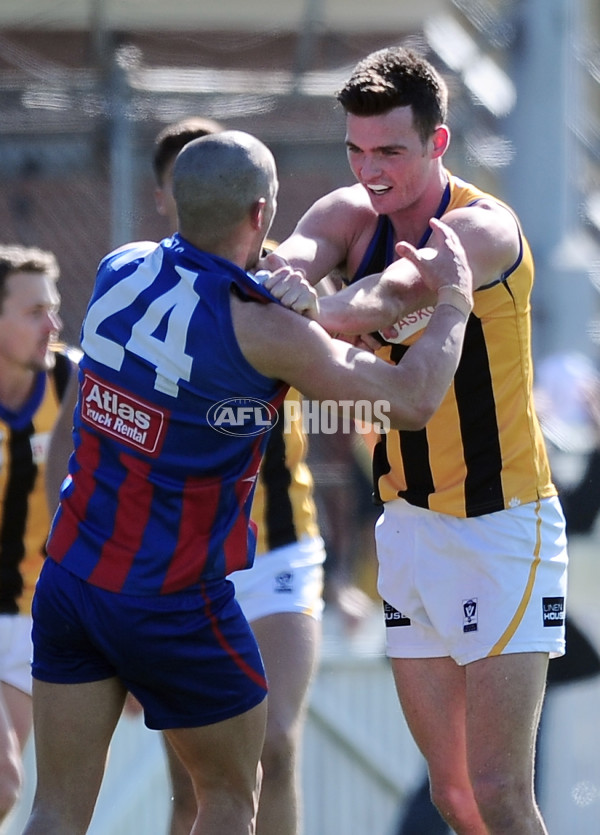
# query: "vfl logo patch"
[[553, 611], [112, 411], [284, 582], [393, 617], [470, 615]]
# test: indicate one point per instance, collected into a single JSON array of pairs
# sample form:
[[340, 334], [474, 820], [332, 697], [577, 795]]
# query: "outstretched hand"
[[442, 264]]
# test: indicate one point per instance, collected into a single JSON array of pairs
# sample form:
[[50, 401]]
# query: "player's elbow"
[[416, 414], [410, 420]]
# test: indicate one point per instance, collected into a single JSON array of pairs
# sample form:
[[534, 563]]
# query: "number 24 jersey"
[[157, 499]]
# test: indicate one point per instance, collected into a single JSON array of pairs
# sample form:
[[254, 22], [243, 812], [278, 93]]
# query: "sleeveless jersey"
[[162, 477], [24, 516], [284, 509], [483, 450]]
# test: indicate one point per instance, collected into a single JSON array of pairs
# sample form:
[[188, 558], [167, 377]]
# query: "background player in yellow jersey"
[[471, 543], [33, 378], [281, 595]]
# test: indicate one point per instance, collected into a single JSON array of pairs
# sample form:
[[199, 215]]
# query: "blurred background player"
[[34, 373]]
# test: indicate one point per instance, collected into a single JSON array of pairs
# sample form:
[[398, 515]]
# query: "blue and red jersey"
[[158, 495]]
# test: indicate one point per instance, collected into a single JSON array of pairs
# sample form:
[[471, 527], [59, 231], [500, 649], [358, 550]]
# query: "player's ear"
[[440, 140], [258, 216]]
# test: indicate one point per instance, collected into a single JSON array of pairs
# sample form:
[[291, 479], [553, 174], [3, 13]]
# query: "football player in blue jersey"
[[282, 596]]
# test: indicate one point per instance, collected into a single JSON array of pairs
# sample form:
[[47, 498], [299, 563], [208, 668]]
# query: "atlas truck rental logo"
[[112, 411], [242, 416]]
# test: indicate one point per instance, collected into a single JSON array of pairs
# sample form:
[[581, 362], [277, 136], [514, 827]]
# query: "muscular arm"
[[282, 345], [324, 368], [488, 233], [325, 234]]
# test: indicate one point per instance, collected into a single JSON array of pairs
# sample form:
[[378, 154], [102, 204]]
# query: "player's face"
[[29, 321], [388, 157]]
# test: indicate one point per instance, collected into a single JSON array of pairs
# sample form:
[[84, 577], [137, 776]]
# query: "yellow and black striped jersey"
[[24, 515], [283, 507], [483, 450]]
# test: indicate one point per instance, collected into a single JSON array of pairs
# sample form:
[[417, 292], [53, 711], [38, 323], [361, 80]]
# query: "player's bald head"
[[216, 181]]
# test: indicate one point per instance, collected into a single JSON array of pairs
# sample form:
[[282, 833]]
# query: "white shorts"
[[472, 588], [288, 579], [16, 651]]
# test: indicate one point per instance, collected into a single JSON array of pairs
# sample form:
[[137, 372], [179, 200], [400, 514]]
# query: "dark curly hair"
[[397, 77]]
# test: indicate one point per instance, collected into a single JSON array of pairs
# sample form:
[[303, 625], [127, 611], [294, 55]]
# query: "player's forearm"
[[359, 308], [428, 367]]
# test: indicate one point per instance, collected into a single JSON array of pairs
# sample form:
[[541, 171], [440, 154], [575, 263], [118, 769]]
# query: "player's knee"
[[11, 784], [502, 799], [279, 752], [184, 807], [456, 805]]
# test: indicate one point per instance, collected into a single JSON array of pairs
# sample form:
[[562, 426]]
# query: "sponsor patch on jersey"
[[393, 617], [113, 411], [470, 615], [412, 323], [553, 611]]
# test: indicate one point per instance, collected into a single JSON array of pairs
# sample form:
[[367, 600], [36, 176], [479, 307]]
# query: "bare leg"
[[73, 726], [504, 703], [476, 726], [223, 763], [289, 644], [15, 726], [184, 806], [432, 693]]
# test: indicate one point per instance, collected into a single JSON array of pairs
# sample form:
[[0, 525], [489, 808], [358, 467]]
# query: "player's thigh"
[[73, 726], [225, 753], [504, 701], [433, 698], [289, 644]]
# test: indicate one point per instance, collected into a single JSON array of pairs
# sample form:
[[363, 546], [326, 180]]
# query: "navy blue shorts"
[[190, 658]]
